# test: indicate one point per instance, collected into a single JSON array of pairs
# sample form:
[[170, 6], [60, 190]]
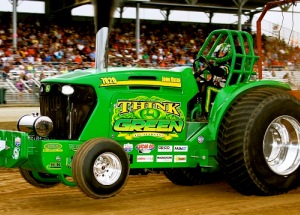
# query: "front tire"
[[259, 142], [40, 180], [100, 168]]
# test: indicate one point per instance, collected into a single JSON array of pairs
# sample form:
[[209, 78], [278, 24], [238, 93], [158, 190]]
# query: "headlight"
[[67, 90], [35, 125]]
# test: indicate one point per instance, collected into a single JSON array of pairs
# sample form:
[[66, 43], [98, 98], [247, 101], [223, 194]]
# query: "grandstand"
[[63, 45]]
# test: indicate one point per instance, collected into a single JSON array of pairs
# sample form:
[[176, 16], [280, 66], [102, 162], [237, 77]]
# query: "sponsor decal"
[[69, 162], [2, 145], [144, 158], [18, 141], [171, 80], [128, 147], [109, 81], [164, 158], [166, 81], [145, 147], [180, 148], [53, 147], [54, 165], [179, 158], [73, 147], [148, 117], [166, 148], [16, 153]]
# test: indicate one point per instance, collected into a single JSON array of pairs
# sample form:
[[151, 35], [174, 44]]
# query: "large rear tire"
[[40, 180], [100, 168], [259, 142], [189, 176]]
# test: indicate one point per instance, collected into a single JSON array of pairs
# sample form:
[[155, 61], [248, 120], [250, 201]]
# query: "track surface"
[[152, 194]]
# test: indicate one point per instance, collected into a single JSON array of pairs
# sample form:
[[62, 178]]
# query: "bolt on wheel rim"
[[281, 145], [107, 168]]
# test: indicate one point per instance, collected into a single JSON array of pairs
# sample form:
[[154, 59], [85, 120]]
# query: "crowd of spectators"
[[163, 44], [73, 46]]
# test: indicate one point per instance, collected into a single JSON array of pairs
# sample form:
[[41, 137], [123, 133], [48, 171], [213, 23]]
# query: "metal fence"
[[30, 95]]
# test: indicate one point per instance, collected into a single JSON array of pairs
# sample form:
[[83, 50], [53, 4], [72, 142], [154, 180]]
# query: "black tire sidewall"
[[255, 160], [87, 168], [29, 177]]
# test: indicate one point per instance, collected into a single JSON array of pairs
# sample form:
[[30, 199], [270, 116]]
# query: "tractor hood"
[[90, 76]]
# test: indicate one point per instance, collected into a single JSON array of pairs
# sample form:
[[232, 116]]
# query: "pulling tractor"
[[98, 126]]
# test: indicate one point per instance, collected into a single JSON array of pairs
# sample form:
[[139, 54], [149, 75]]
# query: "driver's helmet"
[[222, 52]]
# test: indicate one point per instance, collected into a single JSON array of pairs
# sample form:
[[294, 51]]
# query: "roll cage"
[[241, 57]]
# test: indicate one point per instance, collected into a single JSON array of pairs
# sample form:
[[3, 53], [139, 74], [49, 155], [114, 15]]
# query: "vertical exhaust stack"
[[103, 16]]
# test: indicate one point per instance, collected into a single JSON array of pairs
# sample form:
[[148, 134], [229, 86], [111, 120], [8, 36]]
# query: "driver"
[[213, 77]]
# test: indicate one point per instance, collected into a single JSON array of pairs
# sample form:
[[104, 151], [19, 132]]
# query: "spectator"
[[92, 55], [20, 87], [5, 73], [47, 58], [273, 73], [292, 77], [22, 73], [78, 58], [286, 76], [30, 81], [30, 59], [15, 55], [42, 76], [1, 52]]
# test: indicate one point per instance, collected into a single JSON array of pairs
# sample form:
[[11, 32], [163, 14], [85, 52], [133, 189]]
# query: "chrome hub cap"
[[107, 168], [281, 145]]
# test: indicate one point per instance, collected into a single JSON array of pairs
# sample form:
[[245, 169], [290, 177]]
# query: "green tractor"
[[98, 126]]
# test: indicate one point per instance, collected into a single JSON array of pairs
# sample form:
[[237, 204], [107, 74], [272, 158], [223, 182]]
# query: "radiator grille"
[[55, 105]]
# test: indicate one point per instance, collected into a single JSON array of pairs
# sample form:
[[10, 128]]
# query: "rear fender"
[[228, 95]]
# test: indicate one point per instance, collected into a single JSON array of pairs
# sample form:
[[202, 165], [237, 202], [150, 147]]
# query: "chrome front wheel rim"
[[107, 168]]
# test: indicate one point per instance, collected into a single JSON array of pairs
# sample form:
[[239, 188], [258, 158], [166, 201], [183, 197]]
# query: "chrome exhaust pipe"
[[103, 17]]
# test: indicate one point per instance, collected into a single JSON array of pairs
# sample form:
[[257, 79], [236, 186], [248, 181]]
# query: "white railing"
[[32, 95]]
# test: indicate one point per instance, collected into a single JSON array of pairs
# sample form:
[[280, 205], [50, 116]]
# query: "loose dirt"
[[151, 194]]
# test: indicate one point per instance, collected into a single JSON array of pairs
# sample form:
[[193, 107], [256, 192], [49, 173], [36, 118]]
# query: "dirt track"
[[152, 194]]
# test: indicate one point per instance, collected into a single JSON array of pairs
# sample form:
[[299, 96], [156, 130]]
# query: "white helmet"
[[222, 52]]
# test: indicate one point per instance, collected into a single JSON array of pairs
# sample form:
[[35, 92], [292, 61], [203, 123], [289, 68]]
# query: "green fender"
[[228, 95]]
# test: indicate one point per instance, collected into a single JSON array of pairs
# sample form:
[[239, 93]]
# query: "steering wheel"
[[208, 67], [203, 60]]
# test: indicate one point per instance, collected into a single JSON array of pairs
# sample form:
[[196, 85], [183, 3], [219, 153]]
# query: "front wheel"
[[259, 142], [100, 168], [37, 179]]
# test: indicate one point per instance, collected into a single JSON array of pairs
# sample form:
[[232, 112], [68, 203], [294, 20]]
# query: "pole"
[[240, 4], [15, 35], [240, 18], [137, 29], [268, 6]]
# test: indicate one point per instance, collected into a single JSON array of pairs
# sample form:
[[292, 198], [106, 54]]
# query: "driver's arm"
[[197, 74], [220, 71]]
